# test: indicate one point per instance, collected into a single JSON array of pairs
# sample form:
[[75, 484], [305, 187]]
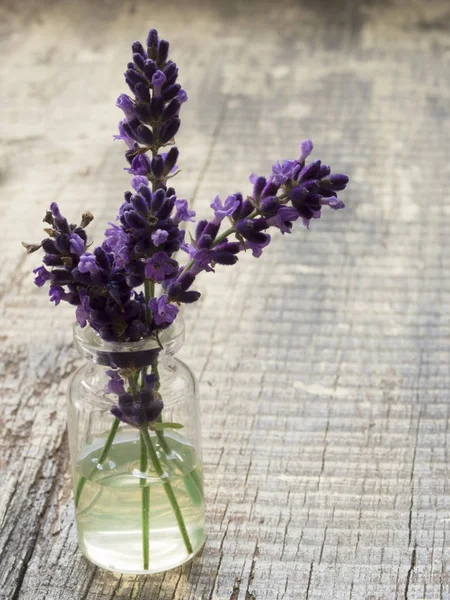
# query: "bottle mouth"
[[128, 355]]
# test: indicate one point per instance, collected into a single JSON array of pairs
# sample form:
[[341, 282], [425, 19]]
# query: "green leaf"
[[157, 425]]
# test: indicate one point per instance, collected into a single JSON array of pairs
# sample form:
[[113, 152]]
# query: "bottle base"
[[150, 571]]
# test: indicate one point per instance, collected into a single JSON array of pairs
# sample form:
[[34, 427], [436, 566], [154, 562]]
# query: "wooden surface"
[[324, 366]]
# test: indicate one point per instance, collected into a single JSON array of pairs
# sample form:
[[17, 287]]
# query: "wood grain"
[[324, 366]]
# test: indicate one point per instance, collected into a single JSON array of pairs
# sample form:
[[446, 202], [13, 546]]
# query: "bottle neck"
[[129, 355]]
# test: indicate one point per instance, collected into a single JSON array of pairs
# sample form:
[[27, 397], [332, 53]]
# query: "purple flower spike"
[[182, 96], [56, 293], [83, 309], [306, 147], [163, 311], [116, 384], [129, 141], [202, 258], [42, 276], [159, 237], [284, 172], [88, 264], [333, 202], [223, 210], [140, 165], [182, 212], [158, 80], [137, 181], [257, 248], [125, 103], [77, 245], [160, 267]]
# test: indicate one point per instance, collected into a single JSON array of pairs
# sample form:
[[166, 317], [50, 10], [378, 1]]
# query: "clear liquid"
[[109, 512]]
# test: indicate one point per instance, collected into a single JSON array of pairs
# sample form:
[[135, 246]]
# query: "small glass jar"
[[138, 490]]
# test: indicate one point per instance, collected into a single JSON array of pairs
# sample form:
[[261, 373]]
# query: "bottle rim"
[[122, 355]]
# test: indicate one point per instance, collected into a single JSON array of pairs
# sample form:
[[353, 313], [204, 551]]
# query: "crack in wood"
[[410, 570]]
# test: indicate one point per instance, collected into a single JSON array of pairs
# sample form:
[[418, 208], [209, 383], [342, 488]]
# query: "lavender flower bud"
[[205, 241], [157, 202], [170, 160], [128, 130], [182, 96], [144, 135], [185, 281], [251, 229], [60, 223], [306, 148], [270, 189], [142, 112], [211, 229], [225, 258], [140, 165], [52, 260], [335, 182], [133, 77], [138, 48], [139, 204], [171, 92], [311, 171], [139, 61], [258, 186], [269, 206], [49, 247], [163, 52], [200, 228], [169, 131], [125, 103], [152, 43], [189, 297], [102, 258], [157, 108], [158, 80], [141, 91], [325, 170], [157, 166], [134, 220], [150, 68], [61, 276], [167, 207], [171, 72], [145, 191], [171, 110], [76, 244]]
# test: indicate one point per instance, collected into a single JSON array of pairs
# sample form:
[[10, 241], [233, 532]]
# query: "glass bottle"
[[138, 490]]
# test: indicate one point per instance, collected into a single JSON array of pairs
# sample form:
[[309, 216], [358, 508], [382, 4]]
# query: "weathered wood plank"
[[324, 366]]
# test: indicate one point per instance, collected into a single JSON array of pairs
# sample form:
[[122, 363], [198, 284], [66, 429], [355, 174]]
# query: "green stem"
[[155, 372], [103, 456], [149, 291], [192, 480], [145, 501], [168, 489]]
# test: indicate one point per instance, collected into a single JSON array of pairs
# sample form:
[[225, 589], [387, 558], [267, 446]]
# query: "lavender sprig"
[[113, 286], [293, 191]]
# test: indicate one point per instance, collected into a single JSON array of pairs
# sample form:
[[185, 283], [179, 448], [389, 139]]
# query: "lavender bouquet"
[[137, 479]]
